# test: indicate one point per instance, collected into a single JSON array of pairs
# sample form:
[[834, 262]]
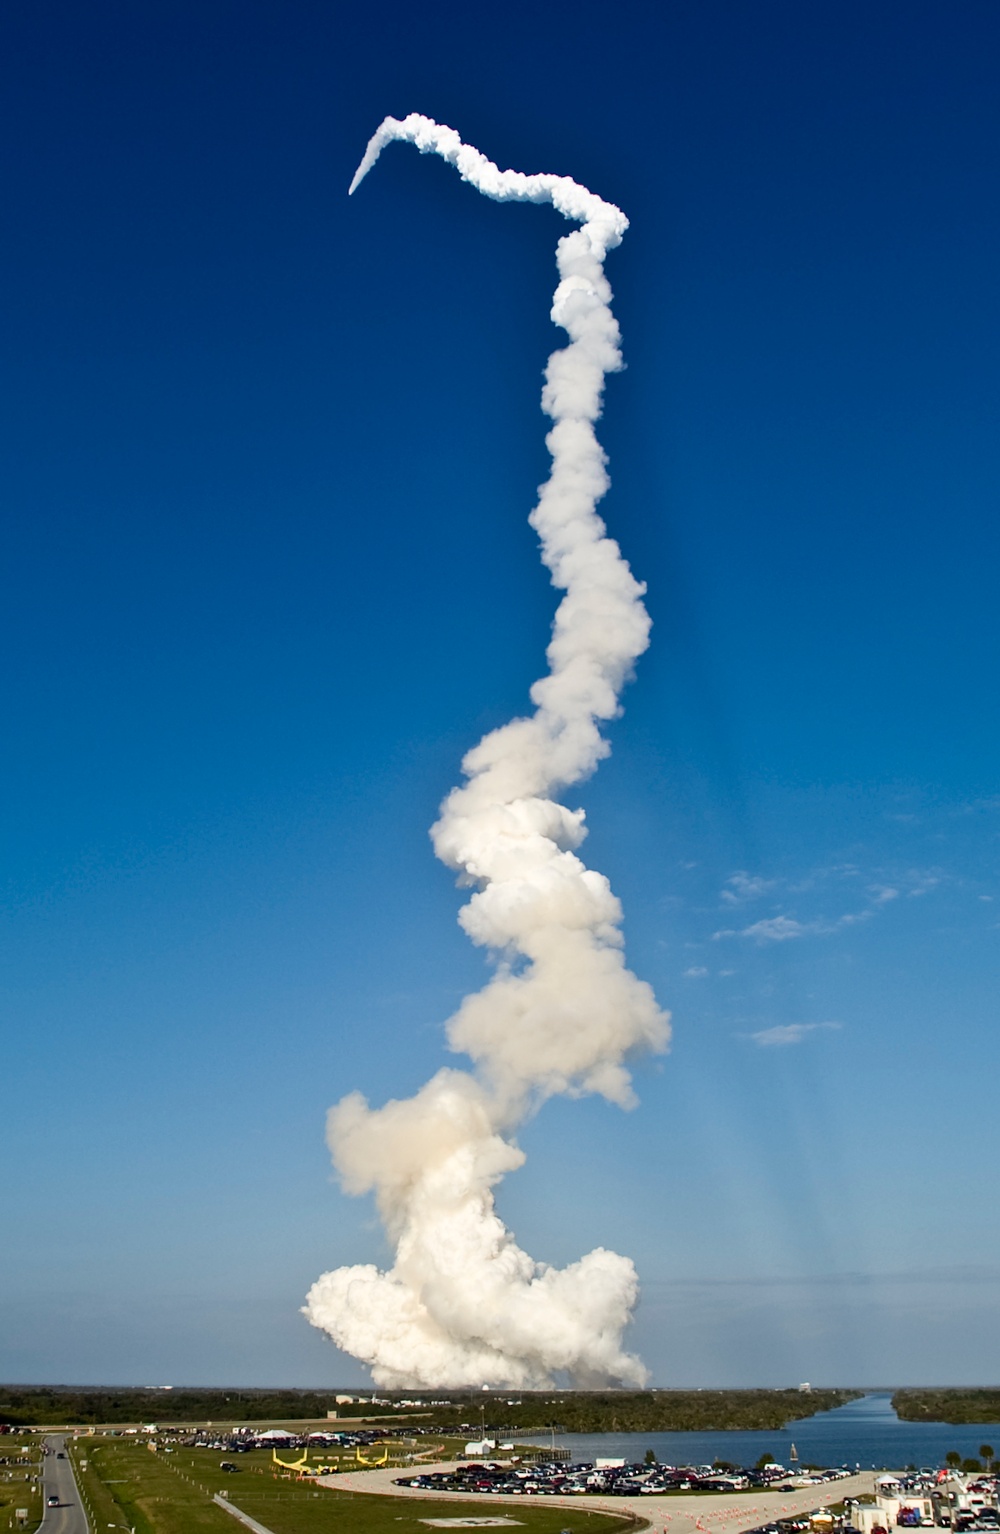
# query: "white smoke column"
[[462, 1304]]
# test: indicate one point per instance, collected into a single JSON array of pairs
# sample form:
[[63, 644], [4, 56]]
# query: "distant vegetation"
[[618, 1411], [25, 1404], [654, 1411], [948, 1405]]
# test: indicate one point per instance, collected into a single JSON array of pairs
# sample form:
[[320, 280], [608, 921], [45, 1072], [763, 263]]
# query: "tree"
[[986, 1452], [953, 1458], [765, 1459], [971, 1465], [651, 1457]]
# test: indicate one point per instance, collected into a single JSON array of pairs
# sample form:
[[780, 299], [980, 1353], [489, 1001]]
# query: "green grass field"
[[20, 1482], [128, 1488]]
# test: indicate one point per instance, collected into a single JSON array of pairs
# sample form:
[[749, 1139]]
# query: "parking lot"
[[674, 1513]]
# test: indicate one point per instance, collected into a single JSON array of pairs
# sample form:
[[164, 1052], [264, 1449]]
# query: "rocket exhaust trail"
[[463, 1304]]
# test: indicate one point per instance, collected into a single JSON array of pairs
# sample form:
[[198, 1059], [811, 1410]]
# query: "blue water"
[[865, 1433]]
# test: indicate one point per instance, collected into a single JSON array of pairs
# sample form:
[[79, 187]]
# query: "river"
[[865, 1433]]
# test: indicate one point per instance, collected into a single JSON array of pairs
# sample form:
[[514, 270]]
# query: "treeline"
[[959, 1405], [646, 1411], [612, 1411], [679, 1411], [25, 1405]]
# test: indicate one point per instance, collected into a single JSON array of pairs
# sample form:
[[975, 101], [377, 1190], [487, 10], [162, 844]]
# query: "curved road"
[[59, 1481], [712, 1513]]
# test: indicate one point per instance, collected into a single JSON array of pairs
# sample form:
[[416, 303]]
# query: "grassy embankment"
[[127, 1487], [954, 1405], [20, 1482]]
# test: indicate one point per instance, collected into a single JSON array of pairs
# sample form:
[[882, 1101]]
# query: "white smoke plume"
[[463, 1304]]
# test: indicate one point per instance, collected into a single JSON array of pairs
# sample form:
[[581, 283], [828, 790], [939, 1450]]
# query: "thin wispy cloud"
[[923, 881], [784, 1034], [742, 886], [784, 927], [978, 806], [696, 972], [852, 918], [779, 929], [774, 929]]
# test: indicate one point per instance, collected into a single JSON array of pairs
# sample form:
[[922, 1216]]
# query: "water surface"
[[864, 1434]]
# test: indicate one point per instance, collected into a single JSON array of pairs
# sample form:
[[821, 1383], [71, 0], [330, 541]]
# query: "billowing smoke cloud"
[[463, 1304]]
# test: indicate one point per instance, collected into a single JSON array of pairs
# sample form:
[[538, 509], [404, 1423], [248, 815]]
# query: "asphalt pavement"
[[705, 1513], [68, 1516]]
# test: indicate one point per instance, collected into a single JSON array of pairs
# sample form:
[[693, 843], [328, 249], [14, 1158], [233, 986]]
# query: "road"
[[59, 1481], [707, 1513]]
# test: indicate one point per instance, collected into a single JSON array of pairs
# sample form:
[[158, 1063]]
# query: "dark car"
[[53, 1501], [228, 1465]]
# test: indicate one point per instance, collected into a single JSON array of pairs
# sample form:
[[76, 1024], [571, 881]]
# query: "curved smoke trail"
[[463, 1304]]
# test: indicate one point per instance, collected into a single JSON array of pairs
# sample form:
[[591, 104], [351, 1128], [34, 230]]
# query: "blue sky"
[[267, 459]]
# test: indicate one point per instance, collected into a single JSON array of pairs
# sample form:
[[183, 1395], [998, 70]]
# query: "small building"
[[889, 1511]]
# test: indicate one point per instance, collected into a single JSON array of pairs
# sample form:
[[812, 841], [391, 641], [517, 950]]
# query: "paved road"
[[713, 1513], [59, 1481]]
